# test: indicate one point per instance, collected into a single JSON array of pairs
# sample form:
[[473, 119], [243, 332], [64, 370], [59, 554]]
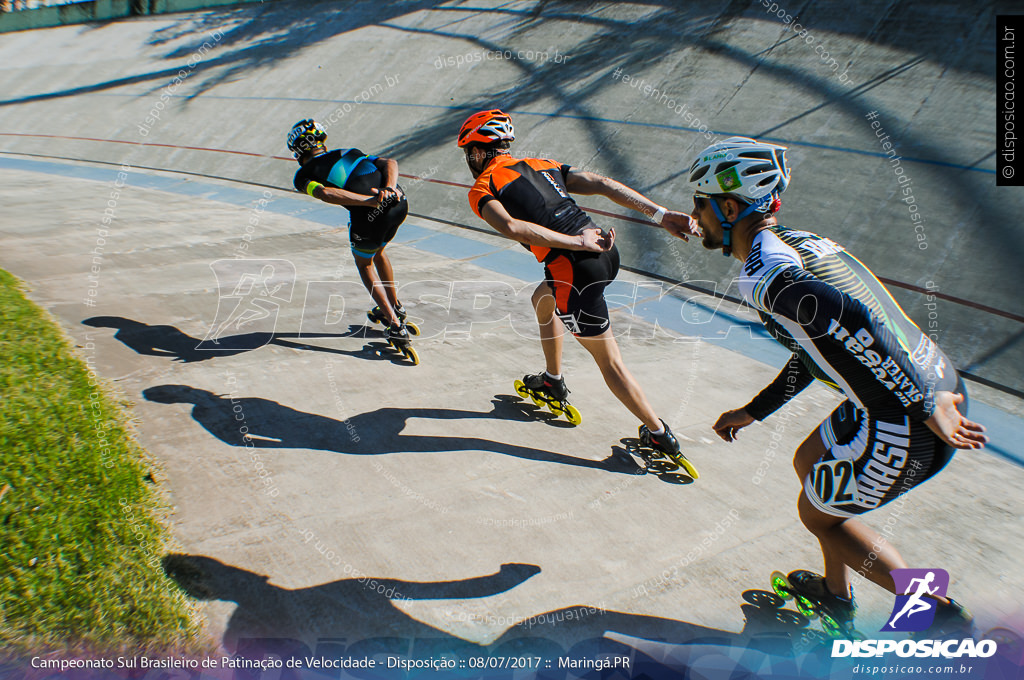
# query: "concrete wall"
[[100, 10], [398, 78]]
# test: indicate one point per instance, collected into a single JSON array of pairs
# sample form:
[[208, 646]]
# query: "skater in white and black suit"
[[905, 407]]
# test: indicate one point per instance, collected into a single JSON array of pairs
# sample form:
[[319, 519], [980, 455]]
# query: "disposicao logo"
[[914, 610], [948, 649]]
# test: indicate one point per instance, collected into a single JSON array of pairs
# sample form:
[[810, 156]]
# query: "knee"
[[540, 294], [612, 366]]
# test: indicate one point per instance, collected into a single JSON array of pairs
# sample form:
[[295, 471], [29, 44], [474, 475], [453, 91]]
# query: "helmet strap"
[[727, 226]]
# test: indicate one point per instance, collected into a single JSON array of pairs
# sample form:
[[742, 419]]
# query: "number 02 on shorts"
[[835, 482]]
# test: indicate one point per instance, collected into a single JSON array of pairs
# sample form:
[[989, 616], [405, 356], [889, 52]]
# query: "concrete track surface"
[[483, 519]]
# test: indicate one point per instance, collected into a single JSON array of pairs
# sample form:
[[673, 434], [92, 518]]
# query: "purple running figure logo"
[[915, 605]]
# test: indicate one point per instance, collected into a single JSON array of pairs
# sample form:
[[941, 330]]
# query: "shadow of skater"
[[268, 424], [357, 608], [770, 635], [358, 617], [167, 341]]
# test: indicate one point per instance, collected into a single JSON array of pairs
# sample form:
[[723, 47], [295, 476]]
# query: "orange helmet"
[[486, 127]]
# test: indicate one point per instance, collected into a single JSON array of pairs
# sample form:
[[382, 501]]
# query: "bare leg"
[[373, 284], [387, 277], [552, 331], [845, 543], [620, 381]]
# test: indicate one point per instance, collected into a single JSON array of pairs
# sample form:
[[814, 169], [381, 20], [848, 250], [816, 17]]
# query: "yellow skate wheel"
[[413, 328], [572, 414], [520, 388], [555, 408], [688, 466], [413, 356]]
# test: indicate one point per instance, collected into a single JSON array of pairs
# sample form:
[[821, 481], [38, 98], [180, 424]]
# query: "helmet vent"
[[701, 171]]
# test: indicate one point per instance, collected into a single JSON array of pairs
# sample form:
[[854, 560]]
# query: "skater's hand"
[[731, 422], [950, 426], [680, 225], [596, 240], [385, 195]]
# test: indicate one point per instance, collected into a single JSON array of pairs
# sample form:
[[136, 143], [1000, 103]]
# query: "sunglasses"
[[700, 196]]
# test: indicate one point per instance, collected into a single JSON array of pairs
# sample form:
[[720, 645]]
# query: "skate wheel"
[[520, 387], [572, 414], [780, 584], [831, 627], [688, 466], [806, 607], [413, 328], [413, 356], [555, 409], [537, 401]]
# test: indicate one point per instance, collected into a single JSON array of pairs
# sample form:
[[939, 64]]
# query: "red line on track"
[[889, 282]]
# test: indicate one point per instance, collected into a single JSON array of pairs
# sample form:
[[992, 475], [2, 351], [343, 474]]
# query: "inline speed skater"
[[528, 200], [368, 187], [905, 407]]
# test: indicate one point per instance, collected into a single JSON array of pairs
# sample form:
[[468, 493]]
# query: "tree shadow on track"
[[268, 424], [357, 617], [167, 341], [251, 38]]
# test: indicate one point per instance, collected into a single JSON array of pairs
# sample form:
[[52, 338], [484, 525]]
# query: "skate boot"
[[814, 599], [545, 391], [397, 336], [377, 315], [951, 621], [667, 445]]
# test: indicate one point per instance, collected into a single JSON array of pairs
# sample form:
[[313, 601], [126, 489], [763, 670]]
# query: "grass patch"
[[81, 545]]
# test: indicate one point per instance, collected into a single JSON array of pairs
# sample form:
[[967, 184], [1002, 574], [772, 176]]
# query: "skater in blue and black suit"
[[368, 187]]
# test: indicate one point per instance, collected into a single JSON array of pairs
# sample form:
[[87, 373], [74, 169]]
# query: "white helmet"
[[742, 167]]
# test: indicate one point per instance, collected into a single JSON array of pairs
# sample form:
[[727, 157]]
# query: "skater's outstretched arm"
[[790, 382], [678, 224], [506, 578], [533, 234]]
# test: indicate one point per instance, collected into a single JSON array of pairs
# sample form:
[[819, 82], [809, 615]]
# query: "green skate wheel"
[[805, 607], [831, 627], [780, 584]]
